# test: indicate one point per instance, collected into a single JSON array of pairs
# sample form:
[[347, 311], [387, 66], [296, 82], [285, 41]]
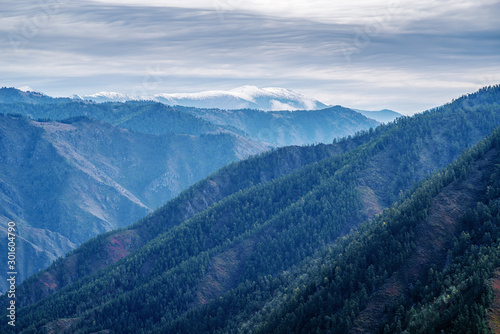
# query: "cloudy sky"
[[368, 54]]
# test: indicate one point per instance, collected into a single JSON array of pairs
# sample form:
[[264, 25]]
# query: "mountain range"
[[391, 230], [245, 97], [274, 128], [284, 128], [71, 170]]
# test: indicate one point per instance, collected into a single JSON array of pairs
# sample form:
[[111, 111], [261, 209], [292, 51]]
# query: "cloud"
[[366, 54], [277, 105]]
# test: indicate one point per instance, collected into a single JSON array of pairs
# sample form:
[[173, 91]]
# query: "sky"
[[400, 55]]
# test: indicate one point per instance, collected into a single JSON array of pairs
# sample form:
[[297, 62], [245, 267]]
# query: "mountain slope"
[[77, 185], [229, 180], [64, 183], [396, 261], [228, 261], [245, 97]]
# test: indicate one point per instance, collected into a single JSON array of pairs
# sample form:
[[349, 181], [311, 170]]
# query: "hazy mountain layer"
[[277, 128], [382, 116], [64, 183], [283, 128]]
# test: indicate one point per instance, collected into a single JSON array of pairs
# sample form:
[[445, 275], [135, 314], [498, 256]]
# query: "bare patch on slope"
[[121, 244], [223, 272], [494, 311], [62, 326], [371, 204]]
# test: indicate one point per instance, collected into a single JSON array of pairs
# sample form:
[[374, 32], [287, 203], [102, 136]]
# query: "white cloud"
[[277, 105], [367, 54]]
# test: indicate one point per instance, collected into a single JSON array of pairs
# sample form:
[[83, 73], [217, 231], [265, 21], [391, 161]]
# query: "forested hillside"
[[289, 255], [423, 266], [111, 247]]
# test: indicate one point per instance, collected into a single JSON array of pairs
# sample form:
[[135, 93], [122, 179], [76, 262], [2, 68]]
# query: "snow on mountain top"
[[247, 92], [197, 96], [251, 92], [270, 98], [27, 89], [110, 95]]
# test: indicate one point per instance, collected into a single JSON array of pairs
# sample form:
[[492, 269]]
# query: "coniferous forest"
[[392, 230]]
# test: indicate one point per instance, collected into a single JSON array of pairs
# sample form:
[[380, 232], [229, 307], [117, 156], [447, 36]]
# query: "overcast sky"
[[400, 55]]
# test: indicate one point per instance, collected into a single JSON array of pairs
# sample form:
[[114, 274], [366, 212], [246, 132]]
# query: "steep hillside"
[[282, 128], [98, 177], [231, 265], [64, 183], [421, 267]]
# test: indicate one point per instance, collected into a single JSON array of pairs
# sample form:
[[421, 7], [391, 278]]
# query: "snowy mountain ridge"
[[244, 97]]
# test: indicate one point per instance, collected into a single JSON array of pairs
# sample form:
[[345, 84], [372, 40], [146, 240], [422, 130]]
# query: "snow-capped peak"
[[106, 97], [246, 92], [27, 89], [111, 95], [251, 92], [253, 97]]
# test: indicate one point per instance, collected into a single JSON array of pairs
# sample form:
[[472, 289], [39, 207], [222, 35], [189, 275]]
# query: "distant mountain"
[[66, 182], [264, 245], [382, 116], [283, 128], [27, 89], [245, 97], [274, 128]]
